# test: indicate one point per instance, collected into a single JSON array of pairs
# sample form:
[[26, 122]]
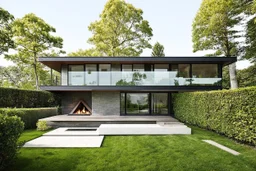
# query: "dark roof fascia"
[[55, 62]]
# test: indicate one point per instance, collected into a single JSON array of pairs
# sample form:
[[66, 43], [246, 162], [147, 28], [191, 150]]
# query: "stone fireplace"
[[81, 108]]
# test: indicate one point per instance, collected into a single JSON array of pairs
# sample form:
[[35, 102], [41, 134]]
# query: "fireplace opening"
[[81, 109]]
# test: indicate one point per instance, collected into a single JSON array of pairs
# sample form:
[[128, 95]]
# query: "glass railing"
[[146, 78]]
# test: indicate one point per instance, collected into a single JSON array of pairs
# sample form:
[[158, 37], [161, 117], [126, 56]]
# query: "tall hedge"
[[30, 116], [10, 97], [228, 112], [10, 130]]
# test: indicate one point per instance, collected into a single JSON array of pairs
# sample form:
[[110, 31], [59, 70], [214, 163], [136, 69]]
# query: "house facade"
[[130, 86]]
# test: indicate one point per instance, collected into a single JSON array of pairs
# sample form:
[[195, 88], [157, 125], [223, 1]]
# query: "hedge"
[[30, 116], [10, 97], [11, 128], [228, 112]]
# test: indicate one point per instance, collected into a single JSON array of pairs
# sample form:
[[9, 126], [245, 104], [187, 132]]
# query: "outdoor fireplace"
[[81, 109]]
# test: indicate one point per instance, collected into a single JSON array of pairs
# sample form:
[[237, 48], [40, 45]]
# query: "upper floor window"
[[76, 74], [204, 70]]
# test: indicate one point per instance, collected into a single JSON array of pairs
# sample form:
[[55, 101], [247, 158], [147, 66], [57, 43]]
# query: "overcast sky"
[[170, 20]]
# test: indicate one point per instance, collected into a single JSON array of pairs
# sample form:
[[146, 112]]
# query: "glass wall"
[[204, 70], [91, 74], [137, 103], [76, 74], [159, 103], [104, 74]]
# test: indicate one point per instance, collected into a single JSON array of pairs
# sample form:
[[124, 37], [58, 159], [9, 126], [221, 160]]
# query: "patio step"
[[170, 123], [142, 129]]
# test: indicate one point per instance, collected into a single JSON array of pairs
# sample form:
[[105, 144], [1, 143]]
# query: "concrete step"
[[169, 123], [142, 129]]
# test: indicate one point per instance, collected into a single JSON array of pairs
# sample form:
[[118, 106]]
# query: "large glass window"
[[137, 103], [104, 74], [205, 70], [91, 74], [127, 67], [76, 74], [184, 70], [159, 103], [122, 103], [161, 67], [138, 67]]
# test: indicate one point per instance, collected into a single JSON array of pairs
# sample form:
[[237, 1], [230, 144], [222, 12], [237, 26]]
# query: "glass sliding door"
[[104, 74], [91, 75], [159, 103], [76, 75], [137, 103]]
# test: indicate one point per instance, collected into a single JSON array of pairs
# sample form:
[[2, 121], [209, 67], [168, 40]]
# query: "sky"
[[171, 21]]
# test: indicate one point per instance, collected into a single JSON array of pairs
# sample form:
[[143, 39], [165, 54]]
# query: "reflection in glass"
[[159, 102], [204, 70], [138, 67], [122, 103], [137, 103], [76, 75]]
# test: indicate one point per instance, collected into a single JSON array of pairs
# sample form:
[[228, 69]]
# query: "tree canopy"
[[158, 50], [213, 29], [33, 38], [121, 30], [5, 31], [85, 53]]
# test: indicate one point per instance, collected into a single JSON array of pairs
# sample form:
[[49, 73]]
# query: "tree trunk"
[[232, 74], [35, 69]]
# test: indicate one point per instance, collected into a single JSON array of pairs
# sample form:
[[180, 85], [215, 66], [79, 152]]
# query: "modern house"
[[131, 86]]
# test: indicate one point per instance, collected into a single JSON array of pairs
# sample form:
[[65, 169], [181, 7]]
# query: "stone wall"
[[106, 103]]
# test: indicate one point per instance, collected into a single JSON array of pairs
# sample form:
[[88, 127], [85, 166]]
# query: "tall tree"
[[158, 50], [5, 31], [33, 38], [121, 30], [85, 53], [213, 29]]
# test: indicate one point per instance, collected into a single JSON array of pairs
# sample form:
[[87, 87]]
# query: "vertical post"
[[51, 77], [220, 74]]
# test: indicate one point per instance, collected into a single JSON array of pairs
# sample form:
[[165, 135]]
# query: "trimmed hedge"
[[228, 112], [10, 130], [30, 116], [10, 97]]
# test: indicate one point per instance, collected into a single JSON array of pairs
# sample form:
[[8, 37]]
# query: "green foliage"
[[250, 36], [85, 53], [10, 130], [228, 112], [30, 116], [137, 77], [5, 34], [158, 50], [33, 38], [121, 30], [42, 126], [27, 98]]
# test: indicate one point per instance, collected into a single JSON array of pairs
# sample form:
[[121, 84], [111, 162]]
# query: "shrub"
[[42, 126], [19, 98], [228, 112], [11, 128], [30, 116]]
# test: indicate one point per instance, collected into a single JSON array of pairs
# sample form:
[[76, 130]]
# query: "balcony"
[[136, 78]]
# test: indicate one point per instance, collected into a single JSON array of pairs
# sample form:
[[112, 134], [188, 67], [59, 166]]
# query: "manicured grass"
[[175, 152]]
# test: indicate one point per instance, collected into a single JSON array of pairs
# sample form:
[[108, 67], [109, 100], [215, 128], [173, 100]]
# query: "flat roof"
[[56, 62]]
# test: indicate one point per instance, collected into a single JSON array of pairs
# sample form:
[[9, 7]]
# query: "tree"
[[33, 38], [158, 50], [5, 34], [213, 29], [85, 53], [121, 30]]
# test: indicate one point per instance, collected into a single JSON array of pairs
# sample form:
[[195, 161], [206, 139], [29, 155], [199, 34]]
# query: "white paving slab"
[[73, 131], [142, 129], [222, 147], [66, 141]]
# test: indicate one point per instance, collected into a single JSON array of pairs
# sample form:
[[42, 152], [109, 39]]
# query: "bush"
[[42, 126], [228, 112], [11, 128], [30, 116], [19, 98]]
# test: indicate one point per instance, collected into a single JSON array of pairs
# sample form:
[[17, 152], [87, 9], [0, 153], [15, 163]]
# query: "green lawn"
[[156, 153]]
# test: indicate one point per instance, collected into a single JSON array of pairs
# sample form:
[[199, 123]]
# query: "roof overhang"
[[56, 62]]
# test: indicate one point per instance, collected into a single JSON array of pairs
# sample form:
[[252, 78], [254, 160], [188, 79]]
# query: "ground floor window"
[[144, 103]]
